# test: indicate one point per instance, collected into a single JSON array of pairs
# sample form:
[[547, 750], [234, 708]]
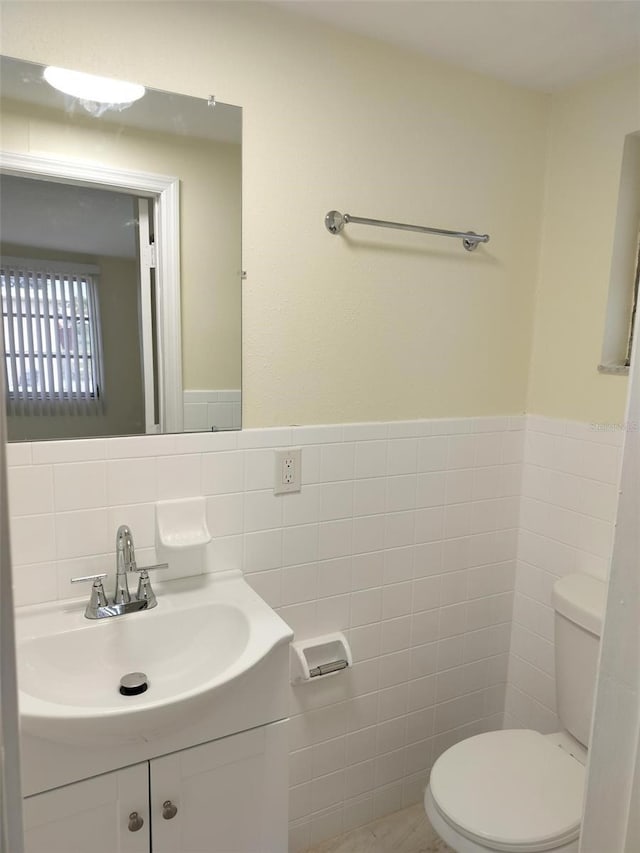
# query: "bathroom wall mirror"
[[120, 273]]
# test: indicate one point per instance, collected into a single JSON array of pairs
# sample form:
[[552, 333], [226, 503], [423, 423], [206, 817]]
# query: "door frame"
[[11, 837], [165, 190]]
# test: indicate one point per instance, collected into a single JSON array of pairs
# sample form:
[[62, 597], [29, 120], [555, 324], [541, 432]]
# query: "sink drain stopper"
[[133, 683]]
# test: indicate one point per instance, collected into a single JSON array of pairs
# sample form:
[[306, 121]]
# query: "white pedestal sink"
[[203, 747], [216, 659]]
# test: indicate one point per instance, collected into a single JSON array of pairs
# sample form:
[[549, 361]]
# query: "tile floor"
[[407, 831]]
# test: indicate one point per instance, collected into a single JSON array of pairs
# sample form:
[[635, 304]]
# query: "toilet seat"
[[512, 790]]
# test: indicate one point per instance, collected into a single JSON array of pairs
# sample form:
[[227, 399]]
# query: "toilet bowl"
[[512, 790], [516, 790]]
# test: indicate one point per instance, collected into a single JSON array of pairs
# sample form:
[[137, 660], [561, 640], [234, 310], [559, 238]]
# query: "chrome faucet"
[[125, 562], [99, 606]]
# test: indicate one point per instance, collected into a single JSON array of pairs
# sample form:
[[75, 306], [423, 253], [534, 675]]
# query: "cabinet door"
[[228, 796], [91, 816]]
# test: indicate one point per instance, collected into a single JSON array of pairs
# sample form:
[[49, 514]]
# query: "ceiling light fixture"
[[90, 88]]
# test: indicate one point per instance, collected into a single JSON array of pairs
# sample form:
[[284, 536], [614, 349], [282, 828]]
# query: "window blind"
[[52, 348]]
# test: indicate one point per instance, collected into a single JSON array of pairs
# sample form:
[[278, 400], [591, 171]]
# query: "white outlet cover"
[[287, 471]]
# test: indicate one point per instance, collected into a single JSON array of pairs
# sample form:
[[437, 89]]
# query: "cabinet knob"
[[169, 810], [135, 822]]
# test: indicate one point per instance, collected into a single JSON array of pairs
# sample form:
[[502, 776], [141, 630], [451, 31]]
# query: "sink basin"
[[83, 667], [206, 633]]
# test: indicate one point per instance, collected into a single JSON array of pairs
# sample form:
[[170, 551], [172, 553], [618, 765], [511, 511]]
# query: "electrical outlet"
[[288, 471]]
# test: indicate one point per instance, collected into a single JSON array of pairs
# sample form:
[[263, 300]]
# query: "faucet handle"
[[97, 579], [98, 598], [142, 569], [145, 592]]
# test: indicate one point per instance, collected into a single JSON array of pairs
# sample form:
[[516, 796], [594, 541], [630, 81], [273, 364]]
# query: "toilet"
[[518, 790]]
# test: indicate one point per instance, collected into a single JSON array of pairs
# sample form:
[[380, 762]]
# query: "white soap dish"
[[319, 657], [182, 524]]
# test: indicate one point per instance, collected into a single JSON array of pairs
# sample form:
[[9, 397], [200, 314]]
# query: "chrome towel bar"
[[335, 221]]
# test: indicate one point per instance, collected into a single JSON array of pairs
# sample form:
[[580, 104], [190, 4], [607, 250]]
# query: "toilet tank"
[[579, 602]]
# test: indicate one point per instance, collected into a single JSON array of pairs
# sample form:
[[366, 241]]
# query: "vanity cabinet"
[[231, 795], [92, 815], [226, 796]]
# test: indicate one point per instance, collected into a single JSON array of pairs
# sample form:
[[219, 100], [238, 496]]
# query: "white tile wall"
[[409, 536], [569, 498], [207, 410], [404, 536]]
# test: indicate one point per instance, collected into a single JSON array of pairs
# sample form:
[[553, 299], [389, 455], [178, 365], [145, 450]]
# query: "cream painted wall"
[[372, 325], [587, 129], [210, 211]]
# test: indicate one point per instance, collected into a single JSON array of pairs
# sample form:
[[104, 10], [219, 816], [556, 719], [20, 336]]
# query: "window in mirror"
[[621, 316], [52, 351]]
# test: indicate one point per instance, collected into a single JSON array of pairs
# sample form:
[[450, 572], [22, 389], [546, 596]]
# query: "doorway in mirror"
[[76, 282]]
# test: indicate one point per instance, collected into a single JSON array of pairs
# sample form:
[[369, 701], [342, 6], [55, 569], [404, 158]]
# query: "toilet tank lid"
[[581, 599]]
